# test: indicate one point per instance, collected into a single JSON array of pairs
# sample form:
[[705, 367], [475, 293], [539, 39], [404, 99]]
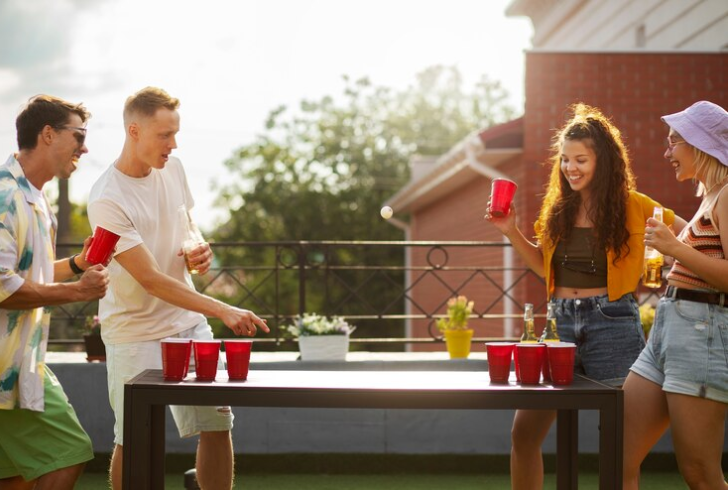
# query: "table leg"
[[611, 440], [144, 445], [157, 431], [567, 450]]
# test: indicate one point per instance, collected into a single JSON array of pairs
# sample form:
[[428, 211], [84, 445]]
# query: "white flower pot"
[[323, 347]]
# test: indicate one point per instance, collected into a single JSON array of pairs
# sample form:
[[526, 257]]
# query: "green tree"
[[323, 172]]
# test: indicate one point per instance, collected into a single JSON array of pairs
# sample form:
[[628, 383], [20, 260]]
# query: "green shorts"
[[36, 443]]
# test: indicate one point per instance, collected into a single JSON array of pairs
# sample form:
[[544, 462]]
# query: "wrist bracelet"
[[72, 263]]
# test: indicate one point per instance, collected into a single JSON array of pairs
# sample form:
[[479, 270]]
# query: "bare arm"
[[529, 252], [62, 269], [712, 270], [91, 286], [140, 263]]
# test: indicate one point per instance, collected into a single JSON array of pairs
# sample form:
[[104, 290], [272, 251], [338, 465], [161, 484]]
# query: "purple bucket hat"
[[705, 126]]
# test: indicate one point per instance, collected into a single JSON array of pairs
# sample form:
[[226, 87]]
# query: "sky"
[[232, 61]]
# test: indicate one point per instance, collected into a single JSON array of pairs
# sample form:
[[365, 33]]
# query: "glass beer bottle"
[[652, 276], [191, 236], [529, 328], [549, 333]]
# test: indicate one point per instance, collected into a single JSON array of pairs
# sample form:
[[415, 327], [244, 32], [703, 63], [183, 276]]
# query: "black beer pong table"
[[146, 396]]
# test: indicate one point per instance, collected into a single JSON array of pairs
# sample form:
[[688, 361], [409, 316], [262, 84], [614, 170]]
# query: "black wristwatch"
[[75, 268]]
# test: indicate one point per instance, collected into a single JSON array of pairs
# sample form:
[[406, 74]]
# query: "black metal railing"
[[393, 291]]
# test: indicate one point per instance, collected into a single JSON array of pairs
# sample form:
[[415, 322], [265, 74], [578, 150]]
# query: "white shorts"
[[125, 361]]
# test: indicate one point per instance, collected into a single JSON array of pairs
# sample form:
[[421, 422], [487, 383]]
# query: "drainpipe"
[[471, 144], [405, 227]]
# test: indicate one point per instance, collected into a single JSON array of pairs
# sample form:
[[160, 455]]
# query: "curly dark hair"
[[609, 188]]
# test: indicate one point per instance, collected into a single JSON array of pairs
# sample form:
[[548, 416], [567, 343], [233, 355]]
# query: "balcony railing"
[[392, 291]]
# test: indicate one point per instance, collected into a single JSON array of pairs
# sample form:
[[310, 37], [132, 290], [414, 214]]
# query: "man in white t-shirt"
[[151, 295]]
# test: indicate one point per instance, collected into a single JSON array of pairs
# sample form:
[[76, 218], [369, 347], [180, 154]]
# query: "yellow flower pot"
[[458, 343]]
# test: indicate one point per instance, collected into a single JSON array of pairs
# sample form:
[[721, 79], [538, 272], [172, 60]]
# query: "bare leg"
[[16, 483], [116, 467], [61, 479], [697, 432], [530, 428], [645, 420], [215, 461]]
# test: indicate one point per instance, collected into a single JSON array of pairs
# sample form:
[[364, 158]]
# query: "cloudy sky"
[[232, 61]]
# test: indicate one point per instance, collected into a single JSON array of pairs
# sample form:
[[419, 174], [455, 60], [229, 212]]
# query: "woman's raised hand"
[[506, 224]]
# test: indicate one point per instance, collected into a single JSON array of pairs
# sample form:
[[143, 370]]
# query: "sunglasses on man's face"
[[78, 133]]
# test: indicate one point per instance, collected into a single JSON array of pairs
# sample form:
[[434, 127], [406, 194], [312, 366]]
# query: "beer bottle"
[[529, 328], [549, 333], [652, 276], [191, 236]]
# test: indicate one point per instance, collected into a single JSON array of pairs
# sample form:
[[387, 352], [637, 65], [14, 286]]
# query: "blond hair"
[[712, 172], [147, 102]]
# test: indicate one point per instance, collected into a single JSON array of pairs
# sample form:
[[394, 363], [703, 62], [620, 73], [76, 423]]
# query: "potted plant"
[[321, 338], [95, 349], [455, 327]]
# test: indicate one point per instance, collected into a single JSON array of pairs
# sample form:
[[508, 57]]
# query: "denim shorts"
[[608, 335], [688, 349], [125, 361]]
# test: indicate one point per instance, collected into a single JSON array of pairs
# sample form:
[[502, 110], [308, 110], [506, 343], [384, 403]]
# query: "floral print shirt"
[[27, 251]]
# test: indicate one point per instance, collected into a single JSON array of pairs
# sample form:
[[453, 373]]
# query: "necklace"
[[716, 185]]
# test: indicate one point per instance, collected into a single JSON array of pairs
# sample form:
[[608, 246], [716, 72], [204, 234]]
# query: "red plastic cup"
[[546, 372], [499, 360], [237, 352], [530, 359], [175, 358], [501, 196], [102, 246], [561, 362], [207, 354]]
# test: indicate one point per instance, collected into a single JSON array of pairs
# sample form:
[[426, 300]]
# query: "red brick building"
[[634, 88]]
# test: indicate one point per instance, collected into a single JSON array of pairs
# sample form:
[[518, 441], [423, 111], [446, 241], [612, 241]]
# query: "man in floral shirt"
[[42, 445]]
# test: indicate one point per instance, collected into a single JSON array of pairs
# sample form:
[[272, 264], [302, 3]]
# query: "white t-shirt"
[[142, 210]]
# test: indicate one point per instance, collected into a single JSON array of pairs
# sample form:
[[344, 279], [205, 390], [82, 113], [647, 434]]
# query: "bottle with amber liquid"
[[549, 333], [529, 327], [652, 275], [191, 236], [528, 336]]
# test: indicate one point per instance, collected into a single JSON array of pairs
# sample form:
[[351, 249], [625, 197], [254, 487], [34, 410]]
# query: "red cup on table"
[[499, 360], [501, 196], [237, 353], [207, 354], [175, 358], [102, 246], [561, 362], [530, 361], [546, 371]]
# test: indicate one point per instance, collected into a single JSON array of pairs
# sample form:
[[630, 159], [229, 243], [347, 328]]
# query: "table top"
[[422, 381]]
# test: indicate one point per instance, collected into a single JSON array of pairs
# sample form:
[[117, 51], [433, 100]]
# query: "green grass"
[[587, 481]]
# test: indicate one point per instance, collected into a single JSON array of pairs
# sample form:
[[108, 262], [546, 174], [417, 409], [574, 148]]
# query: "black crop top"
[[577, 264]]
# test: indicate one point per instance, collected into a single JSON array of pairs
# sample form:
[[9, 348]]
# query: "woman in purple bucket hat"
[[680, 379]]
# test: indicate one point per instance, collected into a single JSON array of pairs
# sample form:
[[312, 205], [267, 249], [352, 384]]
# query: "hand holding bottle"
[[196, 252], [652, 275]]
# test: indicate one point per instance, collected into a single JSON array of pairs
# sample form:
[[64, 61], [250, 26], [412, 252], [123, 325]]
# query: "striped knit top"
[[702, 235]]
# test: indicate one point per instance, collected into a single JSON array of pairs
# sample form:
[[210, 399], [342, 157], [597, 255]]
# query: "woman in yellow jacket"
[[590, 250]]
